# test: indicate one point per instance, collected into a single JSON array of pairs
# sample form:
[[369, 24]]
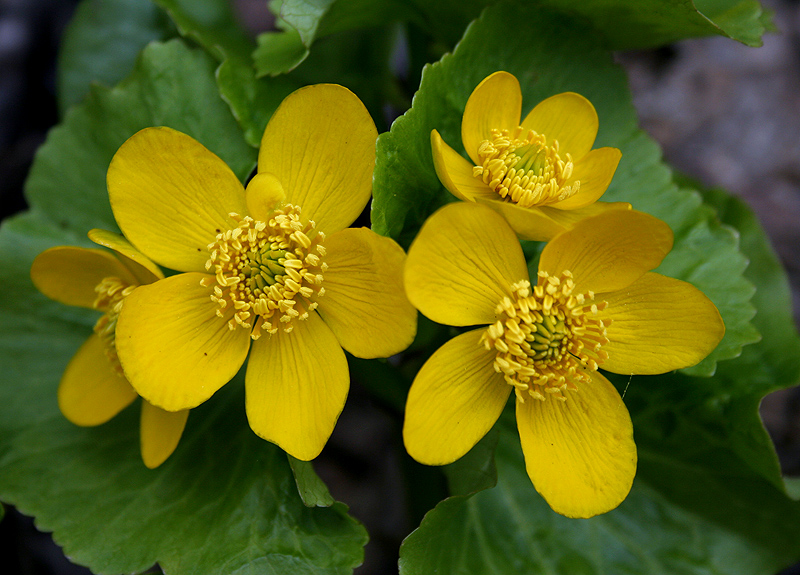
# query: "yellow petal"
[[455, 172], [170, 195], [69, 274], [659, 324], [91, 392], [609, 251], [569, 118], [264, 193], [579, 453], [594, 171], [454, 401], [173, 347], [160, 432], [320, 144], [296, 386], [462, 264], [140, 266], [365, 304], [495, 103]]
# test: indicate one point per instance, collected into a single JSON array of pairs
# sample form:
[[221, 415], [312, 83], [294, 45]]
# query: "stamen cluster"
[[523, 169], [111, 292], [270, 272], [546, 338]]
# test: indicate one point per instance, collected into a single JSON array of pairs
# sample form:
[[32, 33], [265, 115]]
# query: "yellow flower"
[[93, 388], [274, 264], [594, 303], [540, 174]]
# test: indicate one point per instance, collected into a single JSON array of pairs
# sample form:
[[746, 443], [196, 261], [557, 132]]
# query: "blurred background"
[[725, 114]]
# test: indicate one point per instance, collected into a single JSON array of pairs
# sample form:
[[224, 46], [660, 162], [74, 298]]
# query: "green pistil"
[[531, 158], [265, 266]]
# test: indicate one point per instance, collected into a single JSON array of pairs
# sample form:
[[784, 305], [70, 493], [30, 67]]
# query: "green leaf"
[[278, 52], [170, 86], [624, 25], [226, 501], [476, 470], [212, 24], [311, 488], [101, 44], [550, 53], [510, 529]]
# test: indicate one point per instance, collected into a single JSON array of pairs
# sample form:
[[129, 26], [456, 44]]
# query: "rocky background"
[[725, 114]]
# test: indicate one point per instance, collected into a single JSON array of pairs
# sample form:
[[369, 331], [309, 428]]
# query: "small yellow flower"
[[274, 264], [594, 303], [93, 388], [541, 174]]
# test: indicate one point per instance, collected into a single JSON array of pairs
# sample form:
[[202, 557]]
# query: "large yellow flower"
[[594, 303], [541, 174], [93, 388], [274, 264]]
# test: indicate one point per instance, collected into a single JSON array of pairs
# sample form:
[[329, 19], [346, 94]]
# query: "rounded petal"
[[594, 171], [320, 144], [455, 172], [170, 195], [365, 304], [462, 264], [609, 251], [264, 193], [91, 392], [69, 274], [569, 118], [160, 432], [659, 324], [579, 453], [495, 103], [296, 386], [146, 272], [454, 401], [175, 350]]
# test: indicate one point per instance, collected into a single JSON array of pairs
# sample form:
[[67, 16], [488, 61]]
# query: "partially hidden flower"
[[593, 304], [93, 388], [540, 173], [273, 264]]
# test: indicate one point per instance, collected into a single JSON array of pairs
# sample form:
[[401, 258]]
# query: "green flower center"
[[523, 169], [546, 339], [270, 272], [111, 292]]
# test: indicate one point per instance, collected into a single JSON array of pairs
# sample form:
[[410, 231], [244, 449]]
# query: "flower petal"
[[579, 453], [173, 347], [264, 193], [462, 263], [455, 172], [69, 274], [365, 304], [659, 324], [170, 195], [609, 251], [569, 118], [320, 144], [146, 272], [454, 401], [91, 392], [160, 432], [296, 386], [495, 103], [594, 171]]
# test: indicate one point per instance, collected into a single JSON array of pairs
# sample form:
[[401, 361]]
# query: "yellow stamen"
[[111, 292], [522, 168], [269, 271], [546, 337]]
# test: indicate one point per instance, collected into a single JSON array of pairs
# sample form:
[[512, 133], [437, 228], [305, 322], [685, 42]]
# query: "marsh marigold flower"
[[274, 264], [593, 304], [541, 173], [93, 388]]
